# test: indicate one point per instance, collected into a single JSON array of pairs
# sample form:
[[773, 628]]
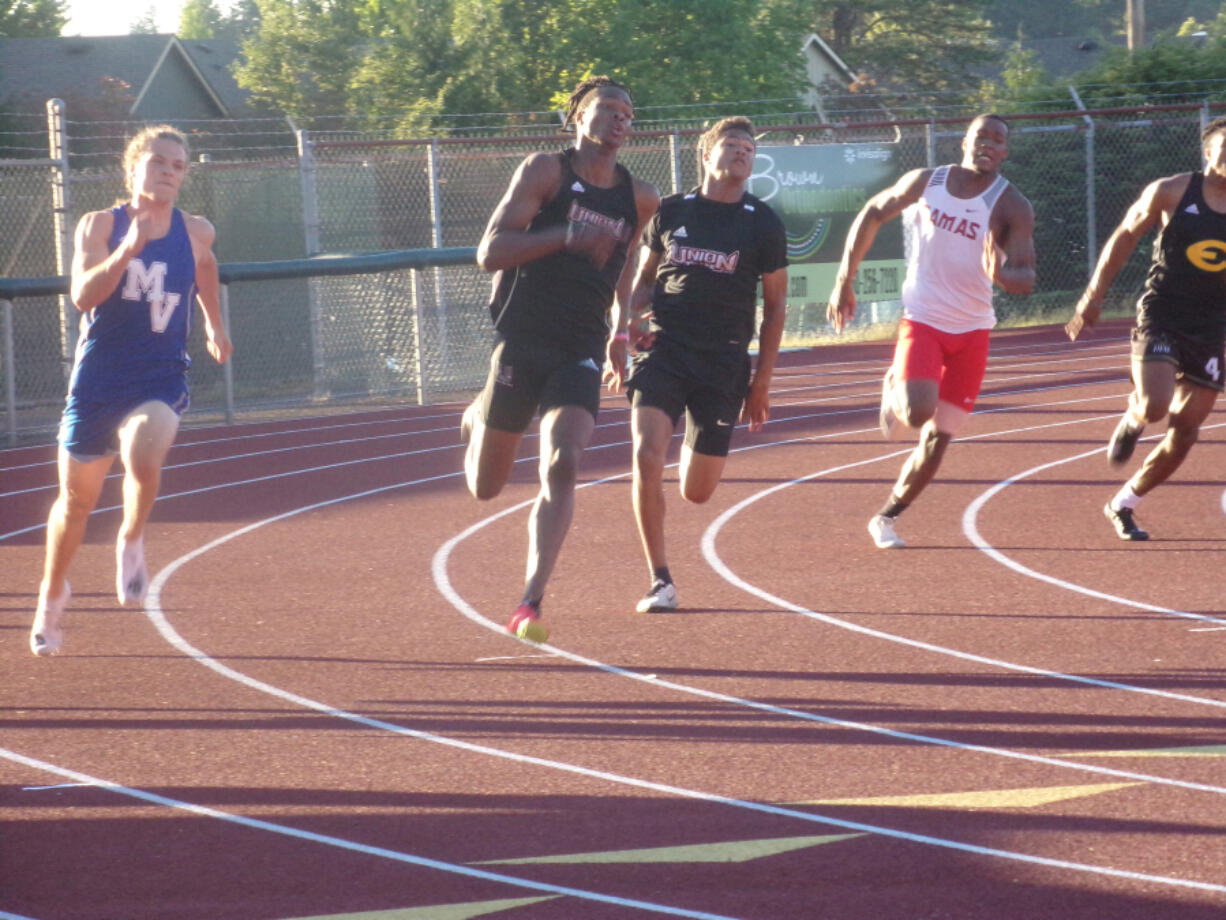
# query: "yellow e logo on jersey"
[[1208, 255]]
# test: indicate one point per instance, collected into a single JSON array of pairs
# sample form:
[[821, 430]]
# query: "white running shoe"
[[131, 576], [47, 633], [882, 530], [660, 599]]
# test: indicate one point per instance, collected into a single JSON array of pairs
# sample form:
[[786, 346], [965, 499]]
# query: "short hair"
[[711, 136], [578, 100], [142, 143], [1213, 128], [986, 115]]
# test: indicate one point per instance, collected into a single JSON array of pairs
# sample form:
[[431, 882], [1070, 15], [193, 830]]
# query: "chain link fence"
[[304, 338]]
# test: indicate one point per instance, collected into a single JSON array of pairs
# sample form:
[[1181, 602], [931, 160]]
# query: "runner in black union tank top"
[[1178, 340], [557, 242], [563, 299]]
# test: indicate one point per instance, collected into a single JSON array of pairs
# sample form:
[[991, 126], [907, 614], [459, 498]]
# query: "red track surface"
[[318, 713]]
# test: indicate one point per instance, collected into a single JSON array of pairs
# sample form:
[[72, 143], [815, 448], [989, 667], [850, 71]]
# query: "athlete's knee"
[[648, 461], [916, 414], [1153, 410], [696, 493], [1182, 435], [933, 443], [561, 469]]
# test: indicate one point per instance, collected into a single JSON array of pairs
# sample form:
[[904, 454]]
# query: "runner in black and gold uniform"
[[1178, 342]]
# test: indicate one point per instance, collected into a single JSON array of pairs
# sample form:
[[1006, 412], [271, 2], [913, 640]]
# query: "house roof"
[[1067, 56], [42, 68], [815, 44]]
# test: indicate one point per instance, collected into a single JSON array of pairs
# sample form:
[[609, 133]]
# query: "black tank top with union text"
[[1185, 290], [562, 298]]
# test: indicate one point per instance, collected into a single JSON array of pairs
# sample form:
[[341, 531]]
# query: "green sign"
[[817, 190]]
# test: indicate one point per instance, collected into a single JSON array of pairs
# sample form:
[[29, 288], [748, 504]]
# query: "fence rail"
[[418, 328]]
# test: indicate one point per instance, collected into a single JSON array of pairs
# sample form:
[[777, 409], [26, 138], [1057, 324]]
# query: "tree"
[[32, 18], [912, 45], [199, 19], [147, 24], [304, 55], [242, 22]]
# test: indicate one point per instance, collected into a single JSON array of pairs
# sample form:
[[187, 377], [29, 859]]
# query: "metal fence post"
[[418, 364], [57, 140], [930, 138], [674, 150], [436, 240], [1204, 123], [227, 369], [310, 226], [10, 373], [1091, 190]]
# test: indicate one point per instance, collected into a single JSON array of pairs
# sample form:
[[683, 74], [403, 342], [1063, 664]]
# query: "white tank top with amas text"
[[947, 284]]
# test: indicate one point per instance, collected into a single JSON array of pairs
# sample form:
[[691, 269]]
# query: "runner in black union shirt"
[[703, 255]]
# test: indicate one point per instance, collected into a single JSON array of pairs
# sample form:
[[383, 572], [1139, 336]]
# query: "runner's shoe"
[[886, 419], [660, 599], [1123, 523], [526, 624], [47, 633], [881, 528], [131, 576], [1123, 442]]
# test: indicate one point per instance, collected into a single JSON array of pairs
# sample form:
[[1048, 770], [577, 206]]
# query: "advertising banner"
[[817, 191]]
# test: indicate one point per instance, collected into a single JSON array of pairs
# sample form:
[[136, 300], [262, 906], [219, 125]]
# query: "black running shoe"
[[1123, 442], [1123, 523]]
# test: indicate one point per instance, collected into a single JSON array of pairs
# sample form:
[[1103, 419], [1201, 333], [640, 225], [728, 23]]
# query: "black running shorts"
[[710, 390], [1195, 360], [526, 376]]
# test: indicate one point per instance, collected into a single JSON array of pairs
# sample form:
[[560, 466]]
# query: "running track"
[[318, 714]]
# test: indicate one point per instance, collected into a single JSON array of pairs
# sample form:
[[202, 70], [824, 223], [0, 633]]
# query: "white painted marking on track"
[[627, 780], [971, 530], [284, 830]]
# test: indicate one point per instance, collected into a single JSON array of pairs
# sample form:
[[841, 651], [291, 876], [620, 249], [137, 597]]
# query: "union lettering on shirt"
[[723, 262], [579, 214], [954, 224]]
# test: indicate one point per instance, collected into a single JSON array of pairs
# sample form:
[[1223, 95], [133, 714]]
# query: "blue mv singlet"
[[137, 337]]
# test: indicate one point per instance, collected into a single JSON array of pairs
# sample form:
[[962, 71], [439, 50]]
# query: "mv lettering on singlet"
[[954, 224], [151, 282]]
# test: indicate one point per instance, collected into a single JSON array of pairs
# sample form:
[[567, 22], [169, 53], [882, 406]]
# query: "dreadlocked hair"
[[575, 103]]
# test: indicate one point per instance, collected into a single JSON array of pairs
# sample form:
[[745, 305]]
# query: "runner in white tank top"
[[948, 284], [966, 228]]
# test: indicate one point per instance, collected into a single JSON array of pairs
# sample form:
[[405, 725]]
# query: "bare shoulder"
[[1166, 192], [200, 229], [1013, 206], [646, 197], [914, 182], [95, 224], [543, 169]]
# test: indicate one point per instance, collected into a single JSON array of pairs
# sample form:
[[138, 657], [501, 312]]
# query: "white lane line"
[[157, 616], [352, 846], [717, 564], [970, 528], [155, 613]]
